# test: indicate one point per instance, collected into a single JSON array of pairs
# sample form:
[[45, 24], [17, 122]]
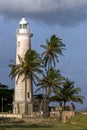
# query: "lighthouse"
[[23, 95]]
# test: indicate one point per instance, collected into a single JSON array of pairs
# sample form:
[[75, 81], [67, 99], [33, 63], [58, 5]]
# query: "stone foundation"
[[22, 108], [66, 115], [62, 115], [11, 115]]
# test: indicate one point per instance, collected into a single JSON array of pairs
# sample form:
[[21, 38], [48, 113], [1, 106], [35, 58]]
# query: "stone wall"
[[84, 113], [11, 115], [62, 115], [66, 115]]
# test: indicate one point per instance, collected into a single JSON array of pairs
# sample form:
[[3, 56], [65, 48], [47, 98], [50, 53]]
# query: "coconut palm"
[[53, 48], [71, 93], [68, 93], [50, 57], [51, 82], [29, 67]]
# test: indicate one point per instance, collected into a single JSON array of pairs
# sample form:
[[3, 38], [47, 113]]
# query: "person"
[[41, 113], [72, 107]]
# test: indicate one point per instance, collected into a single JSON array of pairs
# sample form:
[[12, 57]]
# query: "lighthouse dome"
[[23, 21]]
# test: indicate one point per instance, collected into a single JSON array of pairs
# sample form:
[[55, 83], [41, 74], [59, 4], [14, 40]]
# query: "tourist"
[[71, 107], [41, 113]]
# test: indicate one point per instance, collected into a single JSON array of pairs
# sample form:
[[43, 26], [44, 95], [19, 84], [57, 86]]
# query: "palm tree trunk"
[[64, 105], [25, 96], [45, 100]]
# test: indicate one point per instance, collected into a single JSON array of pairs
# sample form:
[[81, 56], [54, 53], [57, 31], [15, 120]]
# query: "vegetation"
[[53, 49], [29, 66], [36, 125], [52, 78], [6, 98], [70, 93], [51, 83], [55, 86], [79, 119]]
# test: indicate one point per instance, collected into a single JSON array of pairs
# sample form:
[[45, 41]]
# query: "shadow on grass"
[[21, 126], [41, 126]]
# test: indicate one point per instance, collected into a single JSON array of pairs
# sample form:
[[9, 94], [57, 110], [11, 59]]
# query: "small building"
[[37, 102]]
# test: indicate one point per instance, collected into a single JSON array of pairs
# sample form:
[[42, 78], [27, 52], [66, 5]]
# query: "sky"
[[66, 19]]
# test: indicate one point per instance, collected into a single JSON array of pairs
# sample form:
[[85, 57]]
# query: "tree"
[[71, 93], [6, 98], [29, 67], [51, 82], [2, 86], [53, 48], [68, 93]]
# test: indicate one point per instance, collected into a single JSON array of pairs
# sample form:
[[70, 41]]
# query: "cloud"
[[62, 12]]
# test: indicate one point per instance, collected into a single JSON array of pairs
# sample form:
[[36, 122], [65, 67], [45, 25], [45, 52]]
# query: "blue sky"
[[65, 18]]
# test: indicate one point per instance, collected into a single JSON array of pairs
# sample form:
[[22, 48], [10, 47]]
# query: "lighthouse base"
[[25, 108]]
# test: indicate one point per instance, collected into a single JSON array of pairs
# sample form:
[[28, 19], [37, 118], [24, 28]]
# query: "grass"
[[46, 124], [80, 119], [57, 126]]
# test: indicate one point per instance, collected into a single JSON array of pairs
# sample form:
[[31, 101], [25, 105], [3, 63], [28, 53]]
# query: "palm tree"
[[70, 93], [29, 67], [53, 48], [51, 82], [50, 56]]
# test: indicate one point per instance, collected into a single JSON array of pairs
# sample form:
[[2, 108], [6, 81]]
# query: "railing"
[[24, 31]]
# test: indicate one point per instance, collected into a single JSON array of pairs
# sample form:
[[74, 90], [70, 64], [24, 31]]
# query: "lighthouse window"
[[28, 94], [18, 44], [25, 26], [20, 25]]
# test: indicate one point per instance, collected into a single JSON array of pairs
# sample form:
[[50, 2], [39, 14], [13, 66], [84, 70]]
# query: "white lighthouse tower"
[[23, 96]]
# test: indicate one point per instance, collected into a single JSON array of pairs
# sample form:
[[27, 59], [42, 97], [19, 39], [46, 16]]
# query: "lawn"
[[79, 119], [55, 126], [45, 124]]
